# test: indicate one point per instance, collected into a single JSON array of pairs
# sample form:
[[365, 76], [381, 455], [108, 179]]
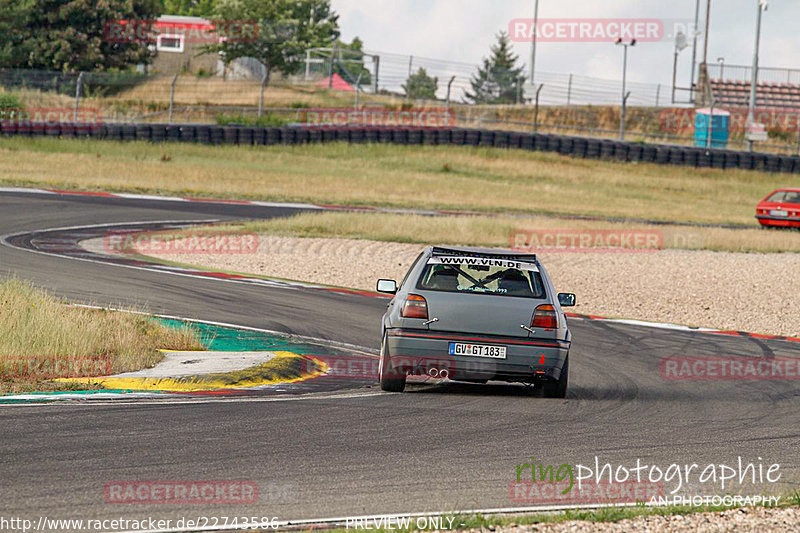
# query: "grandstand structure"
[[776, 88]]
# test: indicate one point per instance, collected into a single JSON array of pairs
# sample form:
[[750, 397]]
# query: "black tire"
[[559, 388], [391, 380]]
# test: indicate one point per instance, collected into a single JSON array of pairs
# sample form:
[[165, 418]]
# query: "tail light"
[[415, 307], [545, 317]]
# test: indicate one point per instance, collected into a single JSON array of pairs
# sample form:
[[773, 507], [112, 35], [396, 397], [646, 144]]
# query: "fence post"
[[569, 89], [261, 96], [377, 61], [447, 100], [78, 87], [536, 109], [658, 93], [172, 97], [622, 116], [358, 90]]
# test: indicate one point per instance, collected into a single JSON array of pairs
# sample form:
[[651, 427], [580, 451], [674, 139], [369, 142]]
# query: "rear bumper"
[[527, 359], [782, 222]]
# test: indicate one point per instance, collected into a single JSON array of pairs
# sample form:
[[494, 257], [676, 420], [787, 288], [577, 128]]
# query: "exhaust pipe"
[[444, 373], [434, 373]]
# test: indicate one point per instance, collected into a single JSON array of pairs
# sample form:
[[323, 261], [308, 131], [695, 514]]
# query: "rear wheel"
[[391, 380], [558, 389]]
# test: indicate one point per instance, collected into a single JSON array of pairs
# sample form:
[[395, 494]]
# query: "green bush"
[[267, 121], [9, 105]]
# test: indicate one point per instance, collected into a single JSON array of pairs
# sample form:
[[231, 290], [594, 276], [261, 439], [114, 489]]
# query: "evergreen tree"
[[352, 62], [498, 80], [420, 86]]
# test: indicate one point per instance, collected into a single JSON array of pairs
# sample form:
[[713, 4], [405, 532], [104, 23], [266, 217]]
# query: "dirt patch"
[[739, 291]]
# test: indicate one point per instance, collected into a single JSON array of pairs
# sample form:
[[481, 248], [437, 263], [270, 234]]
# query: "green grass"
[[442, 177]]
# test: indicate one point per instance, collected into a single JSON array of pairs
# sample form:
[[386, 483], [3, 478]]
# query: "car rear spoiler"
[[500, 254]]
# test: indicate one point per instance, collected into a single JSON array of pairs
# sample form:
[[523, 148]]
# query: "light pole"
[[762, 6], [624, 76], [695, 33], [680, 44], [535, 31]]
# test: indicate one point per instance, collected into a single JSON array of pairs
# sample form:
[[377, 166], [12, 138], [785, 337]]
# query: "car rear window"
[[785, 197], [482, 275]]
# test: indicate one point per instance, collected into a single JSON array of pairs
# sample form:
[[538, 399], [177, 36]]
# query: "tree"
[[190, 8], [286, 29], [420, 86], [352, 62], [498, 80], [71, 35]]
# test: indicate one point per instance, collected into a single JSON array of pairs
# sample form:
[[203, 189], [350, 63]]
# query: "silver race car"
[[473, 314]]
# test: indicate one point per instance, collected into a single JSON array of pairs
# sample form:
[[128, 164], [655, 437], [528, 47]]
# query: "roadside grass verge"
[[436, 177], [36, 326], [496, 231]]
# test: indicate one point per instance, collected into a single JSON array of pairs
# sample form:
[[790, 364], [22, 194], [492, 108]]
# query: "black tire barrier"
[[662, 154], [143, 132], [113, 132], [230, 134], [607, 149], [526, 141], [357, 136], [260, 136], [203, 134], [188, 133], [501, 139], [566, 146], [443, 136], [302, 136], [216, 135], [429, 137], [128, 132], [690, 157], [773, 163], [579, 146], [274, 135], [171, 133], [635, 152], [158, 133], [246, 136]]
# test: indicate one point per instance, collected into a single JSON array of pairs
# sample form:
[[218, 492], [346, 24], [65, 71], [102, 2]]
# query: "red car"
[[780, 209]]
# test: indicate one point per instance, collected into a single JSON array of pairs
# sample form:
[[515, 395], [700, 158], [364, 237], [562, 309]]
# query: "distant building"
[[179, 46]]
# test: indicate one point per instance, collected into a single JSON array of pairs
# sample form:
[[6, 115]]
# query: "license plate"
[[478, 350], [779, 213]]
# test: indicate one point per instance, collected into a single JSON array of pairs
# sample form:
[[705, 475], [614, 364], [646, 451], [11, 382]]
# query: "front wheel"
[[558, 389], [391, 380]]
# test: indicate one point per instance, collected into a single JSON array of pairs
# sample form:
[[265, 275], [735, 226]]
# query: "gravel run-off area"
[[758, 293]]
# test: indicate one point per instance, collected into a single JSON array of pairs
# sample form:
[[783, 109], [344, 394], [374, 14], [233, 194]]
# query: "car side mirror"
[[388, 286], [566, 299]]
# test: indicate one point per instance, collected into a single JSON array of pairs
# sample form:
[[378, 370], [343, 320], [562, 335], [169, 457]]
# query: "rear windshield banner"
[[482, 261]]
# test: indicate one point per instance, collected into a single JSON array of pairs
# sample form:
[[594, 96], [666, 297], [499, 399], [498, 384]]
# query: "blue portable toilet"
[[719, 123]]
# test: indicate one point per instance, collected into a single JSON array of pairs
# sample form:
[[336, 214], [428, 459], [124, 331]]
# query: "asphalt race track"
[[360, 451]]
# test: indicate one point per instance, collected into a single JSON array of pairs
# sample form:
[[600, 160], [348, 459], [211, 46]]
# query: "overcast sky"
[[463, 30]]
